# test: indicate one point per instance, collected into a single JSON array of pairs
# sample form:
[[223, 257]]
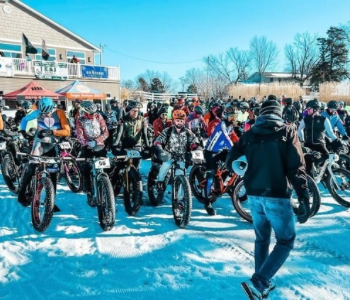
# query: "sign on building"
[[51, 70], [94, 72], [6, 67]]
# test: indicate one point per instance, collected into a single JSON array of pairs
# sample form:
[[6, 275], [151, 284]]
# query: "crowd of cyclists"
[[166, 131]]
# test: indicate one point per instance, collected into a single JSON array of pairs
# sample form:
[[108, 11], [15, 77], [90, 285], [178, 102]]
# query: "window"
[[78, 55], [52, 53], [11, 50]]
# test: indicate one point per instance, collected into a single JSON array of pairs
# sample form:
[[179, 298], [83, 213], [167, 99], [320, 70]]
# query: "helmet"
[[288, 101], [46, 105], [244, 105], [213, 105], [323, 105], [256, 111], [341, 103], [291, 115], [108, 106], [19, 103], [88, 106], [27, 105], [240, 165], [198, 110], [134, 104], [333, 104], [179, 114], [230, 110], [315, 104]]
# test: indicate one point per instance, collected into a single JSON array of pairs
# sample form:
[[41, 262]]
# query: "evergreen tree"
[[157, 86], [192, 89], [143, 84], [333, 58]]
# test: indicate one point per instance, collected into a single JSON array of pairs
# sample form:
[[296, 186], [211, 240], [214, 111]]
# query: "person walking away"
[[275, 164]]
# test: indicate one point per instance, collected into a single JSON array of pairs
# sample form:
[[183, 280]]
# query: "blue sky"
[[178, 31]]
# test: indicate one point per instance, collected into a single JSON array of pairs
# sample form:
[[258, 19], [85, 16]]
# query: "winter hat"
[[163, 110], [271, 107]]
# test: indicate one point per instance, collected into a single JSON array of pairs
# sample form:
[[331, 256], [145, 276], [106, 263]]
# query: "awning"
[[78, 90]]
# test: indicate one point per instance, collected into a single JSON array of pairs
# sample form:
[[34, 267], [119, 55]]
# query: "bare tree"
[[302, 56], [221, 65], [241, 60], [264, 54]]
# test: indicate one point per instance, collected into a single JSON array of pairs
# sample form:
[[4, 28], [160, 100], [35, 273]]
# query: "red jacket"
[[212, 125], [158, 126]]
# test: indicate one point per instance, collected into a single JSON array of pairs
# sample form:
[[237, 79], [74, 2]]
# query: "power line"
[[153, 61]]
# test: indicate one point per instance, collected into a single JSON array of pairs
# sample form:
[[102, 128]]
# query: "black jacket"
[[274, 157]]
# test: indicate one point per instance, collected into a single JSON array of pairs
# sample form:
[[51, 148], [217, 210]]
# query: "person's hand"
[[316, 154], [44, 133], [304, 208], [91, 144]]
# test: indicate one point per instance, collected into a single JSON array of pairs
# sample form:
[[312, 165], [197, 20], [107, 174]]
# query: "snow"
[[149, 257]]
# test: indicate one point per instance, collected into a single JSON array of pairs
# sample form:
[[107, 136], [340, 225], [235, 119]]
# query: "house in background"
[[59, 70]]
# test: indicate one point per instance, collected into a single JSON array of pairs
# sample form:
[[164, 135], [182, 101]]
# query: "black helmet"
[[288, 101], [134, 104], [291, 115], [315, 104], [108, 106], [27, 105], [333, 104], [256, 111], [198, 110]]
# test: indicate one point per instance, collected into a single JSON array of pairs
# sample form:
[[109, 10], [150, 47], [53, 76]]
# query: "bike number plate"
[[65, 145], [197, 155], [3, 146], [102, 164], [133, 154]]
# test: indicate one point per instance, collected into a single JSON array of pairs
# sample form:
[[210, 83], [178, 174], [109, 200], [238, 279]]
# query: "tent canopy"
[[78, 90], [32, 91]]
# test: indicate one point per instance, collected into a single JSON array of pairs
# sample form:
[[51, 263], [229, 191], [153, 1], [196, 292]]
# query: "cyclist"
[[20, 114], [217, 112], [91, 134], [52, 125], [331, 114], [196, 123], [110, 117], [180, 105], [342, 113], [218, 144], [173, 143], [316, 126], [27, 107], [162, 122]]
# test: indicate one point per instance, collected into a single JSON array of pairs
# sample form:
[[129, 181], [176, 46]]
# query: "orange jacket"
[[65, 131], [1, 123], [212, 125]]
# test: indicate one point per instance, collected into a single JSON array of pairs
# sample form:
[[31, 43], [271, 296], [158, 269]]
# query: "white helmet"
[[240, 165]]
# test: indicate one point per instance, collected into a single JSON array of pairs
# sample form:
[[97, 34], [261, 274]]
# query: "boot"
[[210, 210]]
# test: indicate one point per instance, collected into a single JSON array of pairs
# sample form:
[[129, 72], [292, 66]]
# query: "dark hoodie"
[[274, 157]]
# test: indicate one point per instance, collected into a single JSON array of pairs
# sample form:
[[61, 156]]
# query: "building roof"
[[54, 24]]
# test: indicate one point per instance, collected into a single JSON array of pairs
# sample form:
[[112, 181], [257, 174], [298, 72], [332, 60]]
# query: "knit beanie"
[[271, 107]]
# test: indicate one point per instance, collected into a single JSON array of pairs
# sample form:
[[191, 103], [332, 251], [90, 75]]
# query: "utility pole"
[[208, 78], [101, 49]]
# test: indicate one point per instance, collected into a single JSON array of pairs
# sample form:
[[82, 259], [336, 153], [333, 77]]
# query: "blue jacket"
[[335, 122], [219, 139]]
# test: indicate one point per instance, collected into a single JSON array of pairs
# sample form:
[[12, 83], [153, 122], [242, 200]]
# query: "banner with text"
[[94, 72], [51, 70], [6, 67]]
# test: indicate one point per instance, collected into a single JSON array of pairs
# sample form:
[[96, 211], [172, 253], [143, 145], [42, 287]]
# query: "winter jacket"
[[19, 115], [159, 125], [342, 113], [335, 121], [212, 124], [111, 119], [91, 128], [176, 143], [275, 159]]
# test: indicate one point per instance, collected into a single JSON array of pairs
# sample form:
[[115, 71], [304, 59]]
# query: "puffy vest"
[[314, 130]]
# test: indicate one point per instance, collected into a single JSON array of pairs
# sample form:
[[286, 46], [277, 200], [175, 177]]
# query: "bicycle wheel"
[[42, 204], [133, 192], [198, 183], [105, 203], [152, 184], [9, 173], [181, 201], [344, 162], [73, 176], [240, 201], [339, 186]]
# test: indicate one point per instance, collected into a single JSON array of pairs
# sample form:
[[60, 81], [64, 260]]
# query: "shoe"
[[210, 210], [270, 288], [252, 292]]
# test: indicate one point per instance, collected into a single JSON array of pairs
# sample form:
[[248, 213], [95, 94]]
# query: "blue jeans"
[[277, 214]]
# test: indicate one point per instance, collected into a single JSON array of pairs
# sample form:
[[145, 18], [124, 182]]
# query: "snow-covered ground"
[[149, 257]]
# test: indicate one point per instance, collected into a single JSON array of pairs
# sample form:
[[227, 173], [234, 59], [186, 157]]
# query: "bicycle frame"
[[328, 166]]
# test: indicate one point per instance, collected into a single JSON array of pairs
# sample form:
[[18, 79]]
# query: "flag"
[[29, 48], [44, 53]]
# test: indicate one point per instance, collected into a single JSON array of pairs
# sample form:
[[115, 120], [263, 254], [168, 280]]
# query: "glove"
[[91, 144], [304, 208], [345, 138], [336, 145], [316, 154], [44, 133]]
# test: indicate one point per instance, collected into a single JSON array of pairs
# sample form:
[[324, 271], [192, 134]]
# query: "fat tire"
[[74, 188], [195, 171], [42, 223], [236, 201], [105, 205], [330, 187], [135, 195], [182, 180], [8, 166], [152, 184]]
